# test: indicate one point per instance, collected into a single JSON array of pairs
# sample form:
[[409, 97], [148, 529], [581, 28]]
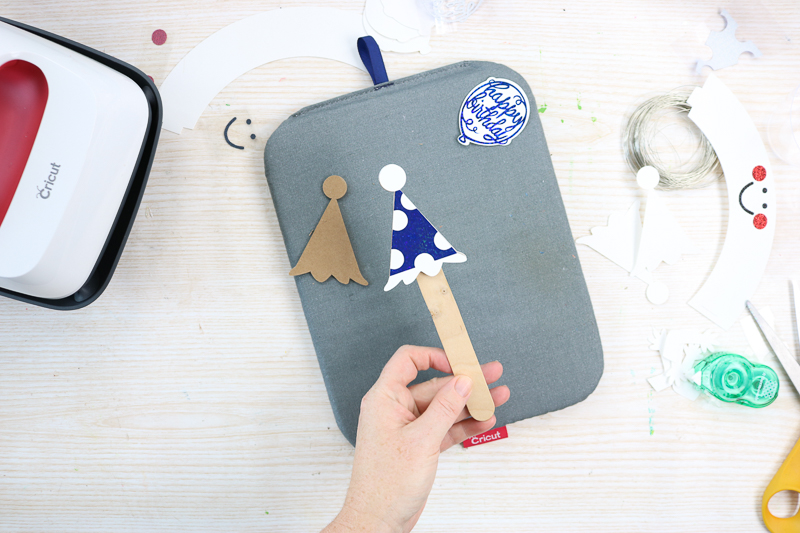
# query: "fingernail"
[[463, 385]]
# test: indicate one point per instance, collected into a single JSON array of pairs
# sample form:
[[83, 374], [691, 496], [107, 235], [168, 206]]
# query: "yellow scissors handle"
[[787, 478]]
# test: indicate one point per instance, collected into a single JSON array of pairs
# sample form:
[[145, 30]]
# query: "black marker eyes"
[[764, 206], [764, 190]]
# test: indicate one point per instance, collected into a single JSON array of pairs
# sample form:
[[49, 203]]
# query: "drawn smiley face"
[[753, 197], [225, 134]]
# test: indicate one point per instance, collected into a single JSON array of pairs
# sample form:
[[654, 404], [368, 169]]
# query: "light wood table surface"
[[188, 397]]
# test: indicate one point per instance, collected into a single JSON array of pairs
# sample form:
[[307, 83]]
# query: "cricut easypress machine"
[[78, 132]]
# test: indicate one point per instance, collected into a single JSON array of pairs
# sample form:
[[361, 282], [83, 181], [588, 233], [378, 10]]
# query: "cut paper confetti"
[[329, 251], [249, 43], [641, 248], [418, 253], [680, 350], [725, 47], [493, 113], [751, 202]]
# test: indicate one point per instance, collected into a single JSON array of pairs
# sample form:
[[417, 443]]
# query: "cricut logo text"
[[489, 436], [49, 182]]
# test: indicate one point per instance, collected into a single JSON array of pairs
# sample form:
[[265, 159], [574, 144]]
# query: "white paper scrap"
[[680, 350]]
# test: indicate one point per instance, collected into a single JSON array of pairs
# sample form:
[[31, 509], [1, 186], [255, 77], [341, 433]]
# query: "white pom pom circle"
[[392, 177]]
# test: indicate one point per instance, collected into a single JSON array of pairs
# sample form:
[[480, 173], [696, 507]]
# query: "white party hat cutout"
[[640, 247]]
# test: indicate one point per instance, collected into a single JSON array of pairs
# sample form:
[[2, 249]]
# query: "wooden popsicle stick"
[[455, 340]]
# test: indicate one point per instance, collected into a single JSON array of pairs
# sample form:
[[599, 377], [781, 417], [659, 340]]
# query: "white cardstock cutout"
[[397, 26], [419, 44], [386, 25], [619, 241], [725, 47], [641, 248], [249, 43], [751, 202], [662, 239], [407, 13]]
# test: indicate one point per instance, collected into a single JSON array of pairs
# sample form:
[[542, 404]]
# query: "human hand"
[[401, 432]]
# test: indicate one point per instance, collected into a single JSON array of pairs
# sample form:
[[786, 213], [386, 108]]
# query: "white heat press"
[[78, 131]]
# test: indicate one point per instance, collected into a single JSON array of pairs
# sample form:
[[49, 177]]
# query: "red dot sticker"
[[160, 37], [759, 173], [760, 221]]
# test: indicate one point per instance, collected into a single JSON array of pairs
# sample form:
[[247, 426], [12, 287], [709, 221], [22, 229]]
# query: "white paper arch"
[[249, 43], [751, 202]]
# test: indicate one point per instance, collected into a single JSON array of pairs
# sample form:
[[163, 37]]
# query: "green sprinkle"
[[543, 108], [562, 120], [266, 512], [594, 119]]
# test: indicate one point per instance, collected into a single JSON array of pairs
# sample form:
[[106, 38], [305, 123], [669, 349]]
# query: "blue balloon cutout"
[[494, 113]]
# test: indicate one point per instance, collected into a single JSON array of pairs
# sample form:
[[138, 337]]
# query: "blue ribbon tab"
[[370, 54]]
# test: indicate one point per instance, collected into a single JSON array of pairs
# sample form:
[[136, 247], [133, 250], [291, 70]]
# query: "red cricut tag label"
[[489, 436]]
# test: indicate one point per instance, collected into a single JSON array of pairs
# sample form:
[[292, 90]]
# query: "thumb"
[[445, 408]]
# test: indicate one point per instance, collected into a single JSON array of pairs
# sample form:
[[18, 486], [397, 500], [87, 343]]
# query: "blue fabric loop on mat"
[[370, 54]]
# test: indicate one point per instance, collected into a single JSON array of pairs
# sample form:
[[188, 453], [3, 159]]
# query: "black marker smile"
[[242, 147], [227, 140], [740, 198]]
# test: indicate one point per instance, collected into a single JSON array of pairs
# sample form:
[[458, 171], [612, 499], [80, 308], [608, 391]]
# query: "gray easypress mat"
[[521, 292]]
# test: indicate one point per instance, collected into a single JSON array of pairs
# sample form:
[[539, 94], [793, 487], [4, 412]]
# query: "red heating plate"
[[23, 96]]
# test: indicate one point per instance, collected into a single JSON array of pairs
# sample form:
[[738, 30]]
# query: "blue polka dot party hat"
[[417, 246]]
